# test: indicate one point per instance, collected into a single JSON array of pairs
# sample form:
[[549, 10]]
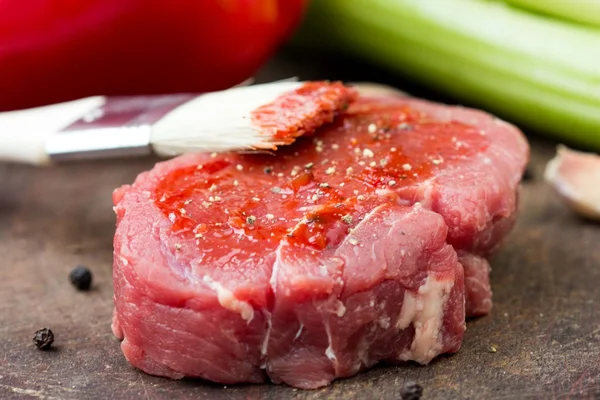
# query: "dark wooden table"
[[545, 327]]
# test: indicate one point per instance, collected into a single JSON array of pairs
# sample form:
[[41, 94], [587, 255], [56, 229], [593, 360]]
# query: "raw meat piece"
[[478, 295], [336, 253]]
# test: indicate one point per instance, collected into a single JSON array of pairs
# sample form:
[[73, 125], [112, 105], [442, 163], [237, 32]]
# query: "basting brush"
[[246, 118]]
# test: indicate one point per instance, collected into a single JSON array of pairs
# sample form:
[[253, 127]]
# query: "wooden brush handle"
[[22, 148], [24, 133]]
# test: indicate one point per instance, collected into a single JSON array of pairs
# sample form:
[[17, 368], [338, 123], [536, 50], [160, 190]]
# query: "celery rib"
[[580, 11], [483, 52]]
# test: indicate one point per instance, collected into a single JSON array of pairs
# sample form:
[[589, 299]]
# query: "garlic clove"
[[575, 176]]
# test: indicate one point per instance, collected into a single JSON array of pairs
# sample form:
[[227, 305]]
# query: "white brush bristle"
[[219, 121]]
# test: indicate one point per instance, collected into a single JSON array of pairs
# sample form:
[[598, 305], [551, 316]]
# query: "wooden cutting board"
[[540, 341]]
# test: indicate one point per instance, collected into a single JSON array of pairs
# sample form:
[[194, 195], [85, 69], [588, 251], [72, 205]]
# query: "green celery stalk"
[[532, 70], [582, 11]]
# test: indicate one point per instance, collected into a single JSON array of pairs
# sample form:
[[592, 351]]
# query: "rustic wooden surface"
[[545, 326]]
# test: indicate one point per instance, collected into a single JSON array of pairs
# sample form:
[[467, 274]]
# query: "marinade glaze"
[[236, 207]]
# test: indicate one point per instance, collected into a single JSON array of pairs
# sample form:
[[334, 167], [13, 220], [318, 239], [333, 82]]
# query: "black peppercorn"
[[81, 278], [411, 391], [43, 338]]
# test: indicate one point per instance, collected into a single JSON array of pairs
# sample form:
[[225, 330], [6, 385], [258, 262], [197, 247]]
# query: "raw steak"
[[341, 251]]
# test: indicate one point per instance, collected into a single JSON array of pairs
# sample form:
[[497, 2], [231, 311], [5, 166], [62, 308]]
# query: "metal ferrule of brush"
[[120, 127]]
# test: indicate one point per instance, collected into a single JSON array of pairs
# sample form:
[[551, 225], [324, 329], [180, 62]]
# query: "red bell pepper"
[[58, 50]]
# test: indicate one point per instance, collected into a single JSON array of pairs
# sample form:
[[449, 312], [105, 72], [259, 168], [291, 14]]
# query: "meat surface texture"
[[366, 242]]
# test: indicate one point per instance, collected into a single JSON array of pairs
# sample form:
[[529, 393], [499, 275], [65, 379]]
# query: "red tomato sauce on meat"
[[302, 111], [312, 192]]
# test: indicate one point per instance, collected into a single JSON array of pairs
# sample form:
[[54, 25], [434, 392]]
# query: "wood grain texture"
[[545, 325]]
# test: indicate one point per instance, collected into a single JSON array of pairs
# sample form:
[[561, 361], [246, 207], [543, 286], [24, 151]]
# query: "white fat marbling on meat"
[[340, 310], [329, 353], [329, 350], [364, 348], [425, 311], [299, 332], [408, 311], [228, 301], [275, 271], [384, 322], [265, 343]]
